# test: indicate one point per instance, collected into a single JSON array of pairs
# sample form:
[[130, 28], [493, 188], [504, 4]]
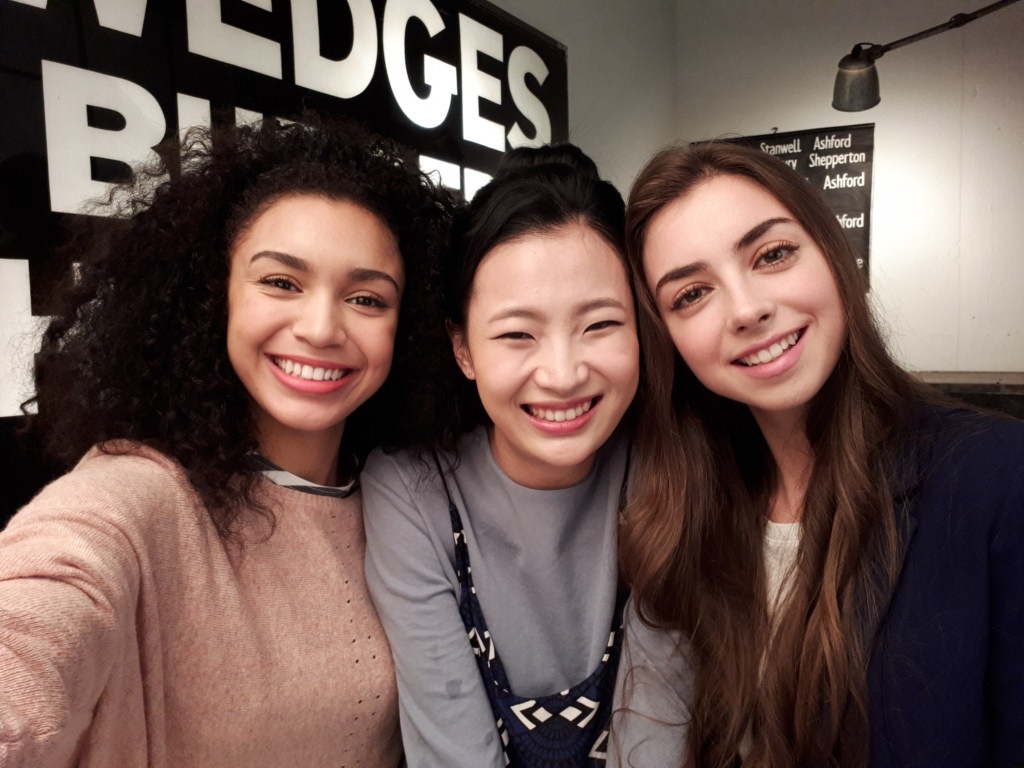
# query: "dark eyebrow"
[[364, 274], [359, 274], [525, 313], [514, 312], [759, 230], [284, 258], [752, 235], [590, 306], [680, 273]]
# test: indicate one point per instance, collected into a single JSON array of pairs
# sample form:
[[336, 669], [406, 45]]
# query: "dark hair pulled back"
[[536, 190]]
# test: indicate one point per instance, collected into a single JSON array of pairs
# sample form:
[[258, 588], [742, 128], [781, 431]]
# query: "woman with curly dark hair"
[[192, 592], [491, 540], [825, 556]]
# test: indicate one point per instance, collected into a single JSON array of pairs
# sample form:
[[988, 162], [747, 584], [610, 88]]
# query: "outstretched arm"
[[68, 580]]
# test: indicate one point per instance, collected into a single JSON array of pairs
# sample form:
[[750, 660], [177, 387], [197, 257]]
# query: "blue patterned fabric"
[[568, 729]]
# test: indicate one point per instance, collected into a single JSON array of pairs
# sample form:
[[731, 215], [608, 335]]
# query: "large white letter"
[[474, 39], [123, 15], [19, 336], [68, 92], [441, 77], [443, 172], [525, 61], [349, 76], [209, 36], [192, 111]]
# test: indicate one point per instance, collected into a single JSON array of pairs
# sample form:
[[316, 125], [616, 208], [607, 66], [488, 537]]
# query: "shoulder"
[[103, 519], [122, 468], [391, 470], [423, 470], [969, 451], [969, 478], [964, 433], [124, 485]]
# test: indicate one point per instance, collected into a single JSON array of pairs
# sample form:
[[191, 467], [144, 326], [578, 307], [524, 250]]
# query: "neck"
[[311, 456], [534, 474], [794, 460]]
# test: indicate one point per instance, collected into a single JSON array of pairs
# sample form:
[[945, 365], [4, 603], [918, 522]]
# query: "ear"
[[461, 350]]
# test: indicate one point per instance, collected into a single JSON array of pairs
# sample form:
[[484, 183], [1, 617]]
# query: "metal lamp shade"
[[856, 86]]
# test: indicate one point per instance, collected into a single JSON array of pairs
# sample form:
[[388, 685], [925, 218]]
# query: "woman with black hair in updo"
[[192, 592], [491, 540]]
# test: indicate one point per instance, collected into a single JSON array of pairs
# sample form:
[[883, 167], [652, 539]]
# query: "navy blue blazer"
[[946, 677]]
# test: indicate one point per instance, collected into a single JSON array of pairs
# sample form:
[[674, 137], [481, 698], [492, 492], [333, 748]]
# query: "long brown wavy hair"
[[703, 479]]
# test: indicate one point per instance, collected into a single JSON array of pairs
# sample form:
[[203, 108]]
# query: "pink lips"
[[563, 427], [778, 366], [308, 386]]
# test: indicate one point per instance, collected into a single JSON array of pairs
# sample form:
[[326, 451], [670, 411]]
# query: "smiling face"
[[313, 298], [550, 340], [747, 296]]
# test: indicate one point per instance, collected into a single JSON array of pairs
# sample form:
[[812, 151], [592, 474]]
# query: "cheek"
[[499, 373], [379, 343], [492, 367], [696, 346], [241, 327], [682, 337], [623, 361]]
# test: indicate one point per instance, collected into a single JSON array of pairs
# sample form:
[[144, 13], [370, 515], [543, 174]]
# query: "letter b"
[[71, 142]]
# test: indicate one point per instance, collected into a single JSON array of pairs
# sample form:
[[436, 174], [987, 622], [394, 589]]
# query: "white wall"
[[947, 257], [622, 71], [947, 264]]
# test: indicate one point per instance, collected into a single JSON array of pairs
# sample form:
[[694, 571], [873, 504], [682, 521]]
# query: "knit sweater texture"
[[133, 635]]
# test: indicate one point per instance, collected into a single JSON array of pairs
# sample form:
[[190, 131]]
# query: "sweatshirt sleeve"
[[445, 714], [1005, 674], [68, 581], [653, 691]]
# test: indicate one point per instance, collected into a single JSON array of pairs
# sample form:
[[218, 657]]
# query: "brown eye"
[[282, 283], [688, 298], [368, 301], [776, 254], [603, 324]]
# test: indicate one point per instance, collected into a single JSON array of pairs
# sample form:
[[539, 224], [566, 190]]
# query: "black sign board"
[[838, 162], [87, 87]]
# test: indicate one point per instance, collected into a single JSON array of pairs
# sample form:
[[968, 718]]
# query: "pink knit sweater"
[[132, 635]]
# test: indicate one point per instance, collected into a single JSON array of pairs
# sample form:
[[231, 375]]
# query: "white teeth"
[[308, 372], [774, 352], [560, 415]]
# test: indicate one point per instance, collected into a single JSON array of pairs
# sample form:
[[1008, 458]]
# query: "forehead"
[[567, 258], [321, 229], [309, 207], [720, 208]]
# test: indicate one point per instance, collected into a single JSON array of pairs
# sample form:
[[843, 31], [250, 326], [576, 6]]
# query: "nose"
[[751, 307], [561, 367], [320, 322]]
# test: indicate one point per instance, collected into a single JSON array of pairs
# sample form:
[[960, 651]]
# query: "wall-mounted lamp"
[[857, 80]]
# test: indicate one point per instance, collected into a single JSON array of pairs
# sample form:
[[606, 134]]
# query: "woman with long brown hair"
[[826, 557]]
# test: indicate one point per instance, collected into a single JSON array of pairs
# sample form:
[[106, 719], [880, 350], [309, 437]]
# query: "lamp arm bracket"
[[958, 20]]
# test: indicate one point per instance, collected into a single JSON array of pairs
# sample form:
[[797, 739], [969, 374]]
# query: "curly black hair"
[[138, 348]]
